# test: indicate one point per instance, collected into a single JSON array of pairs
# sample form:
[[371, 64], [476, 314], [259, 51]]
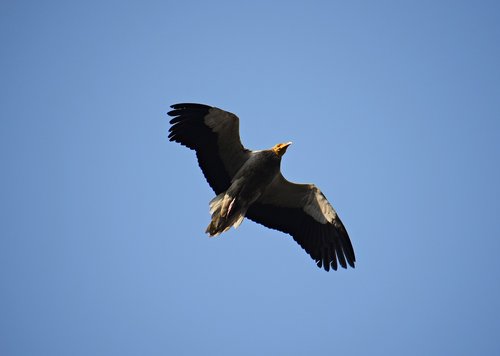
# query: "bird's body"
[[250, 184]]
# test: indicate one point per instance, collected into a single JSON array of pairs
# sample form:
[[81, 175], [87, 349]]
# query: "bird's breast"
[[256, 174]]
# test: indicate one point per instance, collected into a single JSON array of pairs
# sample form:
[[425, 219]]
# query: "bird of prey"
[[249, 184]]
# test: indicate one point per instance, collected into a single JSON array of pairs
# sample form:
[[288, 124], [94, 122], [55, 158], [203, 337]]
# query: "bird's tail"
[[226, 212]]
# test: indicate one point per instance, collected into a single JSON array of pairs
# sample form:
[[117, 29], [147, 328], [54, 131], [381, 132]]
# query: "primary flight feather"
[[249, 184]]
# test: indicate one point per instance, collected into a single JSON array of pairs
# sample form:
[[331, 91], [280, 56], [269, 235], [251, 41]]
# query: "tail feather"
[[216, 203], [225, 212]]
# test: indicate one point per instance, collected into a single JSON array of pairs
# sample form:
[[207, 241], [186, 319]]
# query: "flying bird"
[[249, 184]]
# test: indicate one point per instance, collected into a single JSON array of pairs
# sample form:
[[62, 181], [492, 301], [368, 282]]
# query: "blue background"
[[394, 111]]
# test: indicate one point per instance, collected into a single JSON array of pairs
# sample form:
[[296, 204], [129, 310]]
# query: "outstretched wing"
[[302, 211], [214, 135]]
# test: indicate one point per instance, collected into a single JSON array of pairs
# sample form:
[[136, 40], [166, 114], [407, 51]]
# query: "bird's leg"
[[230, 207], [226, 205]]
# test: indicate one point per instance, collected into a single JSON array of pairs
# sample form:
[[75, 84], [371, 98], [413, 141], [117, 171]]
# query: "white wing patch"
[[220, 120], [319, 208], [307, 197], [226, 126]]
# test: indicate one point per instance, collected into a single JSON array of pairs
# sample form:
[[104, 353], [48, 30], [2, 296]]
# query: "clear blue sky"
[[394, 111]]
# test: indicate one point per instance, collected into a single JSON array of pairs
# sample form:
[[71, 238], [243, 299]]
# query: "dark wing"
[[214, 135], [302, 211]]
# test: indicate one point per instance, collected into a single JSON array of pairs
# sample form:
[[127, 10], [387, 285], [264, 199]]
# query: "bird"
[[248, 183]]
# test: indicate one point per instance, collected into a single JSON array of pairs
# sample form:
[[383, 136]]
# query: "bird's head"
[[280, 148]]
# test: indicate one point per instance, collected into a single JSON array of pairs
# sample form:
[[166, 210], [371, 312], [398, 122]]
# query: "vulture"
[[249, 184]]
